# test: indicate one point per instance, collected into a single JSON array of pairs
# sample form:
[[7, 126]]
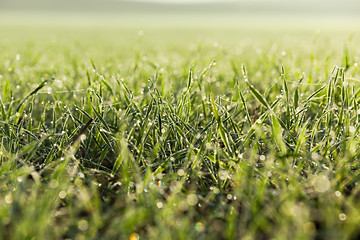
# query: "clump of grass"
[[176, 150]]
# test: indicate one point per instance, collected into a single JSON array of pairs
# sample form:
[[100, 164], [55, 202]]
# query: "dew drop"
[[342, 216], [9, 199], [62, 194], [192, 199]]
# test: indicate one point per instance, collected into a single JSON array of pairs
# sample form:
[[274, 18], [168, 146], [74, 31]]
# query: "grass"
[[179, 134]]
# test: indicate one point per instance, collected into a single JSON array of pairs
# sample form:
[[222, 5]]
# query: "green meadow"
[[230, 128]]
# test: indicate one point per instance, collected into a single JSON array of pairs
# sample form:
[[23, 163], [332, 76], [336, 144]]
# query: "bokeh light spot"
[[199, 226], [134, 236], [192, 199]]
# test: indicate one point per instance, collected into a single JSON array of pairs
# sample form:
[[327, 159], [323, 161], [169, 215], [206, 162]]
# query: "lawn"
[[198, 131]]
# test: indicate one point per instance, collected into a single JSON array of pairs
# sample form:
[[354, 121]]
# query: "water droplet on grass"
[[83, 225], [9, 198], [159, 205], [181, 172], [321, 183], [192, 199], [62, 194], [337, 194], [342, 216]]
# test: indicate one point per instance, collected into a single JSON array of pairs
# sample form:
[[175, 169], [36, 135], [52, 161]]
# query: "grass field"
[[111, 131]]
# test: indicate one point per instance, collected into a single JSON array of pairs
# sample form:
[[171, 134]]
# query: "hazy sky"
[[184, 1], [333, 8]]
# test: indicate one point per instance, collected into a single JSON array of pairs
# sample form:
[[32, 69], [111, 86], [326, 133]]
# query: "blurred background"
[[180, 25], [306, 13]]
